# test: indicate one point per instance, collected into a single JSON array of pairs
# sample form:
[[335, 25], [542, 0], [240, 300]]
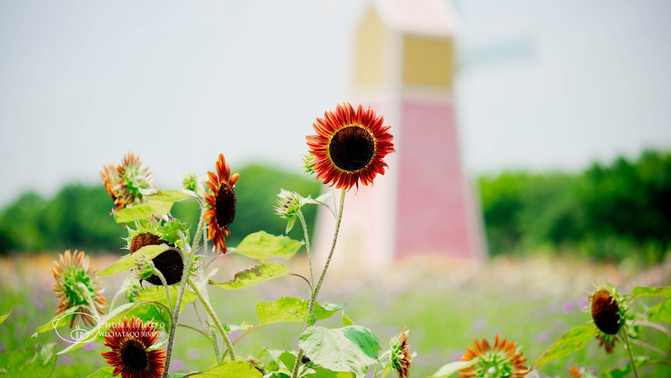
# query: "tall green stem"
[[630, 353], [315, 292], [214, 318], [307, 245], [165, 286], [182, 288]]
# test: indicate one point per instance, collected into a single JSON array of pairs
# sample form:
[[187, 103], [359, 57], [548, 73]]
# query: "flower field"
[[531, 301]]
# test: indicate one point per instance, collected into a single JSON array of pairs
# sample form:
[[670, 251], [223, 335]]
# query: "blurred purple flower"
[[543, 336], [568, 307], [193, 353], [478, 324], [177, 365]]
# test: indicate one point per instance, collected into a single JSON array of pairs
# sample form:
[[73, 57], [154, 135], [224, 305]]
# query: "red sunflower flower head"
[[349, 147], [130, 355], [221, 203]]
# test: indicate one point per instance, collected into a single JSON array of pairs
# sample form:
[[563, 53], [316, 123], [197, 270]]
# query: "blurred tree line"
[[611, 211], [78, 216], [608, 211]]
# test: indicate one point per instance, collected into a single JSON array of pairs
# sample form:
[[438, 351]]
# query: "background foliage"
[[606, 212], [78, 216]]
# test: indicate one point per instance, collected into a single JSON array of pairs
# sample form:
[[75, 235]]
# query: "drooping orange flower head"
[[501, 360], [401, 358], [350, 146], [76, 286], [221, 202], [130, 355], [127, 182]]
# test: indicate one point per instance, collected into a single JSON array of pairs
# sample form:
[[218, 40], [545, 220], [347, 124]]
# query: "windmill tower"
[[404, 64]]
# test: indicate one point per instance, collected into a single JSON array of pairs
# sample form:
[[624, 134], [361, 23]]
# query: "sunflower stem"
[[315, 292], [164, 283], [89, 301], [307, 246], [656, 326], [630, 353], [214, 317], [651, 348], [115, 299], [182, 289]]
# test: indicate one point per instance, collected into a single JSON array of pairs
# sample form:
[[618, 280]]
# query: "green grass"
[[531, 302]]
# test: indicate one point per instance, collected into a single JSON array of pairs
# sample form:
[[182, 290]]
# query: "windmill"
[[423, 206]]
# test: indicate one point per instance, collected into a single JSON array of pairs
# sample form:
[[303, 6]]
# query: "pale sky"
[[542, 84]]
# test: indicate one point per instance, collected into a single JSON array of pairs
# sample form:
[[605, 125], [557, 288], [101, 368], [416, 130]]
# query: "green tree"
[[21, 228]]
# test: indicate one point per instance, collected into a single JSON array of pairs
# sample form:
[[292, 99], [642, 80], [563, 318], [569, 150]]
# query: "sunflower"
[[221, 202], [499, 361], [170, 263], [349, 146], [609, 313], [76, 287], [400, 356], [130, 356], [127, 182]]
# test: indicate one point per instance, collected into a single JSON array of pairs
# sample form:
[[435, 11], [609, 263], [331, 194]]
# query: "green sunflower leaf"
[[625, 371], [231, 369], [158, 294], [346, 349], [320, 372], [142, 211], [37, 362], [453, 367], [346, 320], [3, 317], [573, 340], [105, 372], [288, 359], [60, 320], [661, 312], [292, 310], [253, 276], [169, 196], [128, 262], [263, 246], [643, 291]]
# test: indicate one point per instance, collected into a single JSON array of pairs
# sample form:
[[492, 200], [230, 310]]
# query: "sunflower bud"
[[605, 312], [191, 183], [609, 313]]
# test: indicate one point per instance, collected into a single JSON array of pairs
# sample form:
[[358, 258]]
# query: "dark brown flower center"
[[352, 148], [143, 240], [171, 266], [133, 355], [169, 263], [224, 207], [605, 312]]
